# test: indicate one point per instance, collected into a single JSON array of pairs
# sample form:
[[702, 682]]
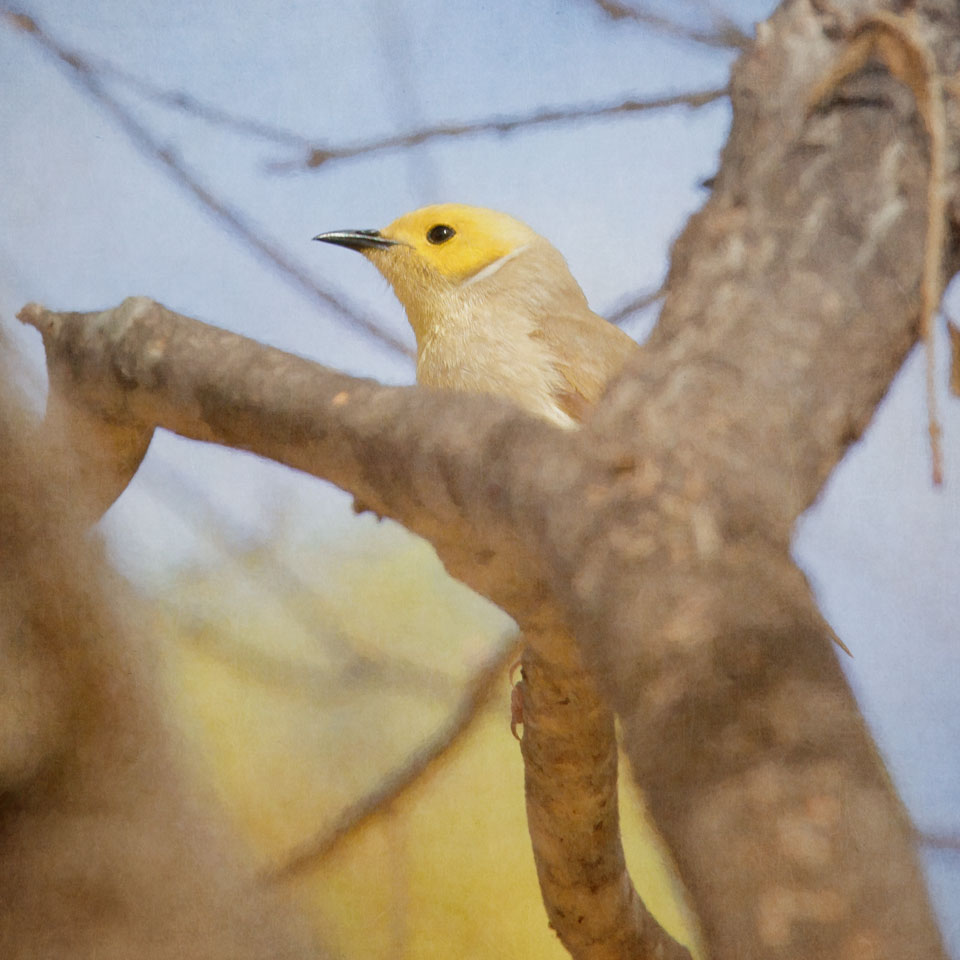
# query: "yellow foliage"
[[448, 868]]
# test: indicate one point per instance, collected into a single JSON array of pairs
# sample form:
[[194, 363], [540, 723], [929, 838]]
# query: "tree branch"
[[309, 854], [320, 155], [634, 303], [949, 842], [661, 529], [724, 33], [323, 155], [109, 848], [193, 105], [140, 365]]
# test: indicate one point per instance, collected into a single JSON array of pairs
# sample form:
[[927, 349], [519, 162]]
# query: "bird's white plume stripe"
[[492, 268]]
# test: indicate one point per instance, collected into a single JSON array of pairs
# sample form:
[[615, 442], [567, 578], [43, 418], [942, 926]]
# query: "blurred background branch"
[[425, 761], [88, 78], [320, 156], [722, 32]]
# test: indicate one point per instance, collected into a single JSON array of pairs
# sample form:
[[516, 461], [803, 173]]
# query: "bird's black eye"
[[440, 233]]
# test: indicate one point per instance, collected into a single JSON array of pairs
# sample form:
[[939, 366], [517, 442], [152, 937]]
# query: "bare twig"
[[949, 842], [188, 103], [398, 851], [83, 74], [324, 687], [309, 854], [296, 594], [724, 33], [503, 125], [634, 303]]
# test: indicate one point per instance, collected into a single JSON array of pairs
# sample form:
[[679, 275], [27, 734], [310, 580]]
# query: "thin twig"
[[188, 103], [634, 303], [326, 688], [724, 26], [401, 911], [354, 666], [939, 841], [502, 125], [271, 571], [86, 78], [724, 34], [310, 853]]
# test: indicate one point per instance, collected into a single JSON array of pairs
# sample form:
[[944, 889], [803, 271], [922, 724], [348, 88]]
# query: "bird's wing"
[[588, 352]]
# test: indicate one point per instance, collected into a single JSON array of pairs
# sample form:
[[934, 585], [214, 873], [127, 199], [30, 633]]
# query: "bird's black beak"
[[357, 239]]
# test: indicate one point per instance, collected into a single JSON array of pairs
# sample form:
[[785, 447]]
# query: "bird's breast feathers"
[[495, 351]]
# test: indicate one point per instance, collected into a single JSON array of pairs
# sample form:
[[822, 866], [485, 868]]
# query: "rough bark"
[[795, 296], [140, 366], [570, 776], [662, 527]]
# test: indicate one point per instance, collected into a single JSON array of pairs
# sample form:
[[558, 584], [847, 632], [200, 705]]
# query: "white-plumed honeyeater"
[[494, 309]]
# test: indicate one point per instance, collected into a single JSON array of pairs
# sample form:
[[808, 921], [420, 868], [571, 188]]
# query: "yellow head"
[[494, 308], [457, 241], [432, 255]]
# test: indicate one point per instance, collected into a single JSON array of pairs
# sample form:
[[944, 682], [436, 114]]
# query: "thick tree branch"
[[663, 526], [142, 365], [794, 298], [109, 849]]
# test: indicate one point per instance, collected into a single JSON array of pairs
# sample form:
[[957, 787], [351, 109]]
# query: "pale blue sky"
[[87, 220]]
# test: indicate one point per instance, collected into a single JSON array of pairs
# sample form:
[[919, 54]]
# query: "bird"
[[494, 309]]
